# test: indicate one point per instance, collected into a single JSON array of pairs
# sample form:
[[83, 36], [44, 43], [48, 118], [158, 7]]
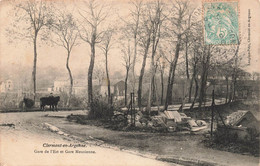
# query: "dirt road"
[[29, 135], [28, 143]]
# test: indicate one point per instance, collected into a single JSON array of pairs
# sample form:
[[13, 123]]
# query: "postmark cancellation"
[[221, 22]]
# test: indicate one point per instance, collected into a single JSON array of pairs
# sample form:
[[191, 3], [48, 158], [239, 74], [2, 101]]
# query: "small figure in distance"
[[51, 95]]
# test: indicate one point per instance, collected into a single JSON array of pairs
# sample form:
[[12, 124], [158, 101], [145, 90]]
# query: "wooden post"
[[212, 112], [134, 106]]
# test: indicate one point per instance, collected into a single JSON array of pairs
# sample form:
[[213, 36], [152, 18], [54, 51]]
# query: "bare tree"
[[210, 57], [236, 63], [132, 30], [196, 38], [192, 41], [135, 25], [156, 19], [33, 16], [179, 21], [194, 78], [93, 16], [145, 41], [65, 28], [105, 47], [162, 66], [205, 64], [188, 42], [127, 62], [230, 67]]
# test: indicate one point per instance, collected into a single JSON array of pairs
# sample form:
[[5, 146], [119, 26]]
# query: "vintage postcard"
[[129, 82]]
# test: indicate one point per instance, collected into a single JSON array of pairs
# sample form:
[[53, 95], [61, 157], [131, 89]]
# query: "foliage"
[[227, 141], [101, 109], [78, 102], [29, 103], [32, 20], [9, 101], [63, 99], [225, 137]]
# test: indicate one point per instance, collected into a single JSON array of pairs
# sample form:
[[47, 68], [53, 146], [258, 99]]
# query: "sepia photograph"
[[129, 82]]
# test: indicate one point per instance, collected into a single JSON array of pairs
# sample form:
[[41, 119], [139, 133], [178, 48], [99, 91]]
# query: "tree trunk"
[[231, 90], [34, 65], [202, 87], [227, 89], [162, 90], [126, 77], [234, 88], [71, 79], [205, 65], [194, 78], [149, 102], [142, 74], [135, 49], [90, 73], [194, 73], [154, 95], [196, 92], [108, 80], [190, 88], [133, 67], [186, 85], [173, 72], [186, 59], [173, 67], [168, 86]]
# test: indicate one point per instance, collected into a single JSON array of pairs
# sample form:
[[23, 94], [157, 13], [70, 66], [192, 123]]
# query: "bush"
[[29, 103], [77, 102], [100, 109], [226, 140], [63, 99], [224, 136], [9, 101]]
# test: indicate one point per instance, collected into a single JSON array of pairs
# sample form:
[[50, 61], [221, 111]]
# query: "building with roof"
[[117, 88], [79, 86], [243, 124], [243, 118]]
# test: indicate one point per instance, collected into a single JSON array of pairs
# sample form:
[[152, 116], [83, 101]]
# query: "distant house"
[[6, 86], [50, 89], [104, 90], [60, 84], [80, 86], [117, 88]]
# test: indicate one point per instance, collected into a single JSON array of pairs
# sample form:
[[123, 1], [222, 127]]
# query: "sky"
[[20, 53]]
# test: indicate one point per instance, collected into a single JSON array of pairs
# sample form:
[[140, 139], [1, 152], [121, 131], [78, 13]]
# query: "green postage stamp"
[[221, 24]]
